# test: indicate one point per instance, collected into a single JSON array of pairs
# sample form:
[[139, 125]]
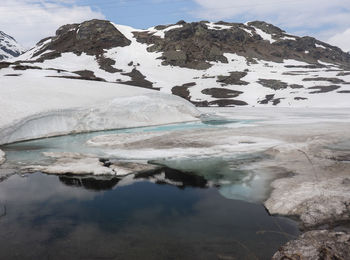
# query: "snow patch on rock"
[[320, 46], [291, 38], [264, 35], [214, 26], [161, 33]]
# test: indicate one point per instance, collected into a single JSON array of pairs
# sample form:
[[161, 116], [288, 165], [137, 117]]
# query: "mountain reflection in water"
[[136, 217], [158, 176]]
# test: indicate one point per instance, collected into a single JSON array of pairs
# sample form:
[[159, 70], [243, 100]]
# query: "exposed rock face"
[[82, 74], [137, 79], [268, 28], [270, 99], [221, 92], [324, 89], [274, 84], [183, 91], [233, 79], [195, 45], [9, 48], [91, 37], [316, 245]]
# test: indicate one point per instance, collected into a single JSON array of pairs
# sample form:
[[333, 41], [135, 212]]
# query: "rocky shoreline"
[[318, 193]]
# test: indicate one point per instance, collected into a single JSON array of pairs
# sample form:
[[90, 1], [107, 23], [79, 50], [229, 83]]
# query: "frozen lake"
[[205, 200]]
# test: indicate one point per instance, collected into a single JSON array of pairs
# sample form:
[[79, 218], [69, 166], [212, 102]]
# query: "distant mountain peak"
[[9, 48]]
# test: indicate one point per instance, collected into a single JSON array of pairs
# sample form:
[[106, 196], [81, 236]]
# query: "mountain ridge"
[[209, 64]]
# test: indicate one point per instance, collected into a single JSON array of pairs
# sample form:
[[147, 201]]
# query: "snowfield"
[[33, 107]]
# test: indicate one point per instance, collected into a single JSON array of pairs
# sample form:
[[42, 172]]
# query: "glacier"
[[33, 108]]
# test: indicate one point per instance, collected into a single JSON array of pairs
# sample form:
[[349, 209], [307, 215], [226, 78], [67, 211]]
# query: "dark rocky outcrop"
[[82, 75], [221, 92], [183, 91], [227, 102], [91, 37], [270, 98], [324, 89], [233, 79], [273, 84], [344, 73], [195, 45], [107, 64], [295, 86], [137, 79], [267, 28], [88, 75], [26, 67], [312, 66], [5, 65], [331, 80]]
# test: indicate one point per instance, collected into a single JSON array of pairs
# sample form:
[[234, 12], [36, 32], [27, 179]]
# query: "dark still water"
[[175, 216]]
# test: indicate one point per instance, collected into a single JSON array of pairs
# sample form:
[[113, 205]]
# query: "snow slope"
[[290, 83], [34, 108]]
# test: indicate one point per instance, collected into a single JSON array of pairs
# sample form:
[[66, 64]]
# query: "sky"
[[28, 21]]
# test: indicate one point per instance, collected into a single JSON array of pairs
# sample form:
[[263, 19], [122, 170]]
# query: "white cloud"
[[28, 21], [342, 40], [321, 18]]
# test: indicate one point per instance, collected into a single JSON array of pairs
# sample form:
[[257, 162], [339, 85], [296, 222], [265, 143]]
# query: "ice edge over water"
[[124, 112]]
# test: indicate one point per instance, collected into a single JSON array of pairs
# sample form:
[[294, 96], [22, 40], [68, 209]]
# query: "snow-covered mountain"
[[210, 64], [9, 48]]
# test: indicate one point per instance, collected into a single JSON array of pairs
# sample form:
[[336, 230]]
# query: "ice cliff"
[[34, 108]]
